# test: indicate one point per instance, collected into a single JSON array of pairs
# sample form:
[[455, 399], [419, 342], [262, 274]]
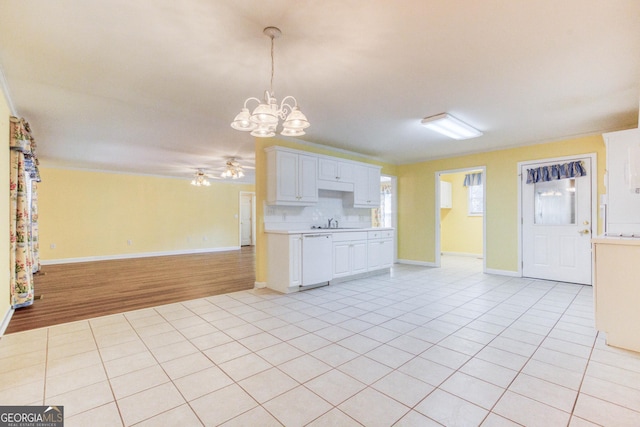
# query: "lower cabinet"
[[349, 256], [284, 269], [353, 252], [380, 249]]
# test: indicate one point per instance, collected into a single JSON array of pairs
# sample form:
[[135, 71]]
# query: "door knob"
[[585, 231]]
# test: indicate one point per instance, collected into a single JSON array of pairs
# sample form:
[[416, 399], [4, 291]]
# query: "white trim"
[[253, 217], [594, 195], [259, 285], [394, 214], [483, 170], [420, 263], [465, 254], [138, 255], [503, 272], [5, 321], [52, 164]]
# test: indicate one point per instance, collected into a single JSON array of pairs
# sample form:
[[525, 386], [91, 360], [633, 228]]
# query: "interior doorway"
[[247, 218], [460, 214]]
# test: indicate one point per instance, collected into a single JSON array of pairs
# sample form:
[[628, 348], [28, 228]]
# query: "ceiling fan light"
[[450, 126], [243, 121], [296, 120]]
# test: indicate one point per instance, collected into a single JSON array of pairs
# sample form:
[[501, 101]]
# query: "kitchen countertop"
[[327, 230], [617, 240]]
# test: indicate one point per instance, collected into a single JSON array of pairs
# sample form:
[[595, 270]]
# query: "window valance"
[[22, 141], [472, 179], [556, 172]]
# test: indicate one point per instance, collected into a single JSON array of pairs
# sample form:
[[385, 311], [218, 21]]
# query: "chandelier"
[[200, 179], [266, 116], [233, 171]]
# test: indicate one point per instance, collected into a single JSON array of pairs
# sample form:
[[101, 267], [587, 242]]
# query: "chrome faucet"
[[329, 222]]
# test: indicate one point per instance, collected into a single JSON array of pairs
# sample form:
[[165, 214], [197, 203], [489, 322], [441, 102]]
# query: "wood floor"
[[81, 291]]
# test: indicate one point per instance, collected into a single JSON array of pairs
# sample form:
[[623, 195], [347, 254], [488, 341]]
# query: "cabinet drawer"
[[349, 235], [382, 234]]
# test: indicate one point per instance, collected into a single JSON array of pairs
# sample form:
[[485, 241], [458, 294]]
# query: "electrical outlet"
[[205, 238], [129, 242], [52, 246]]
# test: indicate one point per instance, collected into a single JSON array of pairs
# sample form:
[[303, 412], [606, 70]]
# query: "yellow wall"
[[89, 214], [459, 232], [416, 198], [261, 188], [5, 291]]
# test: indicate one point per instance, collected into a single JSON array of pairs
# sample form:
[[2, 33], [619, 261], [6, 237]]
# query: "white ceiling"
[[150, 86]]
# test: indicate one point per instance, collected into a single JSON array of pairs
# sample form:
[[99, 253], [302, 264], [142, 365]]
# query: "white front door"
[[246, 222], [556, 226]]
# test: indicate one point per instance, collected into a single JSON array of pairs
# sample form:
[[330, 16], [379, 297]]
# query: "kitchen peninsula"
[[300, 259]]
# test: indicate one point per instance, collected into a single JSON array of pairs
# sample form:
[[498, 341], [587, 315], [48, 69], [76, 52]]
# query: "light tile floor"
[[419, 347]]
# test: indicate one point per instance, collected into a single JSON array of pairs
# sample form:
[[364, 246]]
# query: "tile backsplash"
[[303, 217]]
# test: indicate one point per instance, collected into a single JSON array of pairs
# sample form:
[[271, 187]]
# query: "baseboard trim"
[[502, 272], [420, 263], [5, 321], [465, 254], [138, 255], [259, 285]]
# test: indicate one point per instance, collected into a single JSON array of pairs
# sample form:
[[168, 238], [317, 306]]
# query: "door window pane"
[[555, 202]]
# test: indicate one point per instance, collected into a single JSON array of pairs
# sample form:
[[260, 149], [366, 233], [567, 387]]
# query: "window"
[[475, 200]]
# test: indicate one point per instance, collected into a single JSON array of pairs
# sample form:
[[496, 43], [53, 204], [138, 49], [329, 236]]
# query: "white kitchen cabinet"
[[334, 170], [292, 178], [284, 267], [445, 195], [380, 251], [617, 290], [349, 254], [366, 189]]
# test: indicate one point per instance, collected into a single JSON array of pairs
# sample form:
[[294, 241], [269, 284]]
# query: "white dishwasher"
[[317, 256]]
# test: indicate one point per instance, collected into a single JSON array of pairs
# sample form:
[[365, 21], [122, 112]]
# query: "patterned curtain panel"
[[35, 245], [556, 172], [472, 179], [23, 170]]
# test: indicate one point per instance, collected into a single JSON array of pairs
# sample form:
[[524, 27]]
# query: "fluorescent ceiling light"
[[449, 126]]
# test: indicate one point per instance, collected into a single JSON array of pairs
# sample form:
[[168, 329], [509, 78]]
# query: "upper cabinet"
[[334, 174], [445, 195], [292, 178], [366, 190]]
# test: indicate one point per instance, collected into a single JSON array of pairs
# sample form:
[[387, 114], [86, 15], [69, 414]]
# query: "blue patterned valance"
[[472, 179], [555, 172]]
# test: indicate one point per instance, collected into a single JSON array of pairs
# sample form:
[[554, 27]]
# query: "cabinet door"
[[328, 169], [341, 259], [386, 253], [286, 177], [295, 260], [307, 178], [366, 189], [358, 257], [374, 255], [445, 195], [374, 187], [346, 172], [361, 186]]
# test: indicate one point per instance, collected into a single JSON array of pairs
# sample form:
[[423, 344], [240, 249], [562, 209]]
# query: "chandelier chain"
[[272, 66]]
